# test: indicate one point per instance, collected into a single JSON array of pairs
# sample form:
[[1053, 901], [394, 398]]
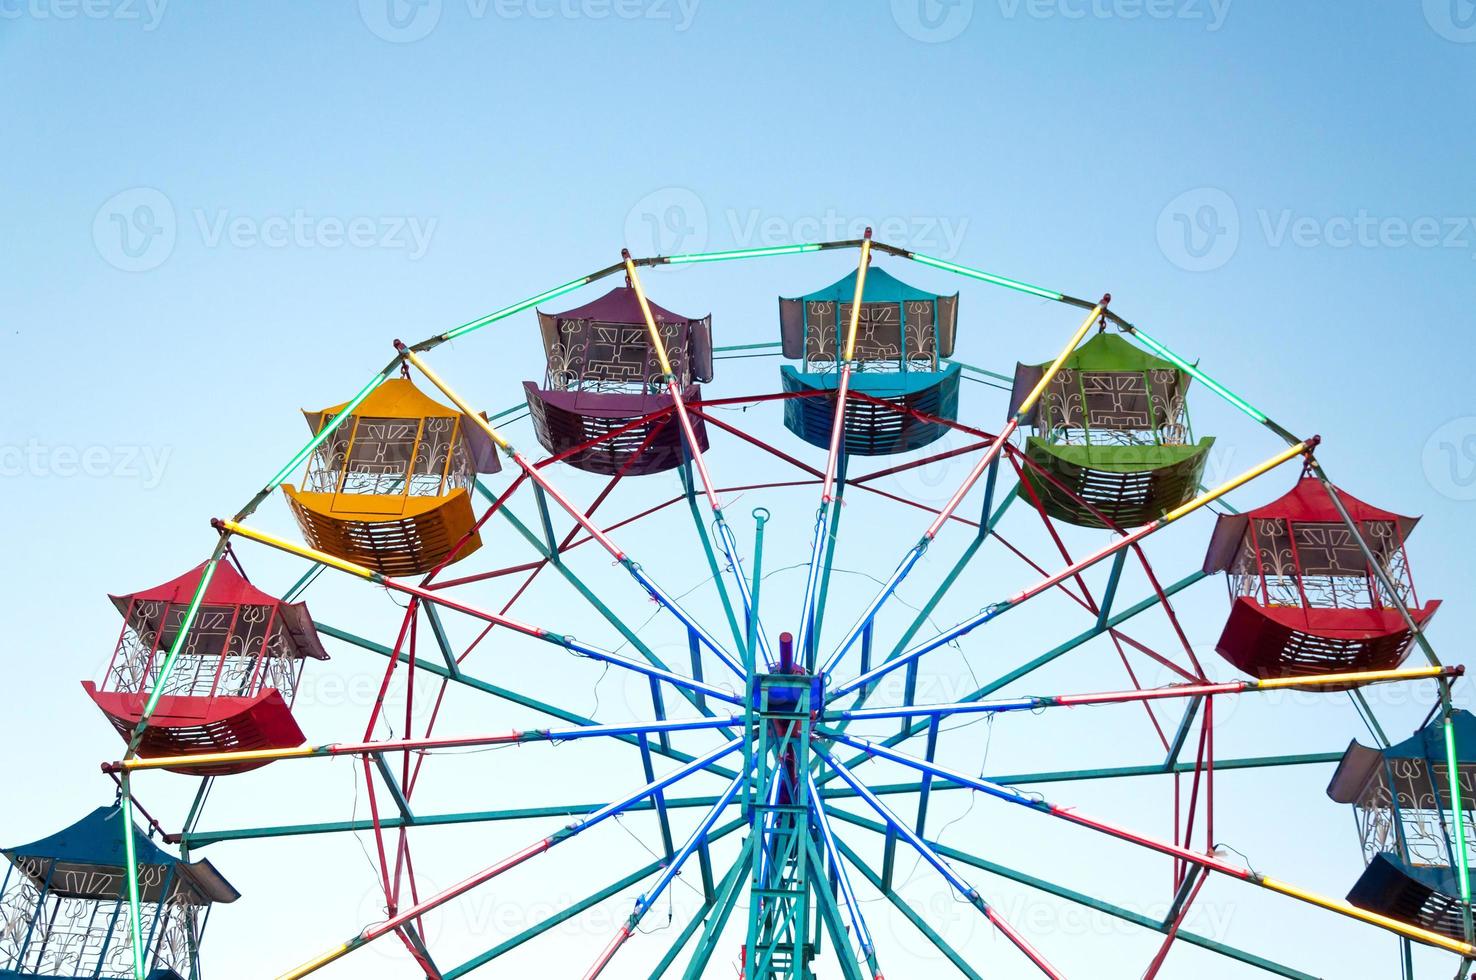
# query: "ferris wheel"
[[783, 745]]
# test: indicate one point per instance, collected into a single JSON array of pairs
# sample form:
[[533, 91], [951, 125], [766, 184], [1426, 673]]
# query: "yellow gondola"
[[390, 488]]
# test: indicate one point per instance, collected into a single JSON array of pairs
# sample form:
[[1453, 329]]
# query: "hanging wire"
[[988, 718], [594, 689], [359, 834], [658, 856]]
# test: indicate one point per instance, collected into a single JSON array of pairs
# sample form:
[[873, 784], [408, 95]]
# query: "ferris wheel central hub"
[[788, 691], [787, 694]]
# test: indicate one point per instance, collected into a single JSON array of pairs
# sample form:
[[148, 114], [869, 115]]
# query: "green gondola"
[[1112, 437]]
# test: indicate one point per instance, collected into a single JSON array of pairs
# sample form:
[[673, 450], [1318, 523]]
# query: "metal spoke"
[[792, 716], [969, 892]]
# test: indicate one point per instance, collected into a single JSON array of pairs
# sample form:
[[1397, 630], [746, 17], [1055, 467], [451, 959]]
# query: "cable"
[[358, 835]]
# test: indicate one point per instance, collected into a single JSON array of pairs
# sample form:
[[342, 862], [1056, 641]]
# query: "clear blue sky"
[[215, 214]]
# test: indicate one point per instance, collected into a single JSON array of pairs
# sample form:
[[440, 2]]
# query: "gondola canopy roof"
[[1362, 765], [399, 398], [1106, 353], [227, 588], [87, 860], [920, 312], [607, 339], [1306, 503]]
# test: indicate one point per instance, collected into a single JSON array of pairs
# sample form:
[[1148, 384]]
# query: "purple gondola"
[[603, 404]]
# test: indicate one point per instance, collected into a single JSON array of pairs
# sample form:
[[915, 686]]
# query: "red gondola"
[[1304, 599], [234, 678]]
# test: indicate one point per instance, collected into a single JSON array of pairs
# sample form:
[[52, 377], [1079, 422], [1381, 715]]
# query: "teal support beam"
[[712, 930], [760, 518], [909, 912], [1109, 594], [658, 798], [596, 602], [924, 792], [407, 816], [551, 552], [1087, 901], [443, 642], [579, 907], [1186, 724], [694, 649], [831, 917], [500, 692], [1007, 379], [726, 888], [658, 706], [833, 535], [689, 490], [300, 586], [987, 519], [197, 839], [1040, 661]]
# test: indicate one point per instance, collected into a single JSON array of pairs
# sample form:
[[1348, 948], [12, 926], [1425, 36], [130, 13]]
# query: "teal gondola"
[[900, 389], [1401, 797], [64, 905]]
